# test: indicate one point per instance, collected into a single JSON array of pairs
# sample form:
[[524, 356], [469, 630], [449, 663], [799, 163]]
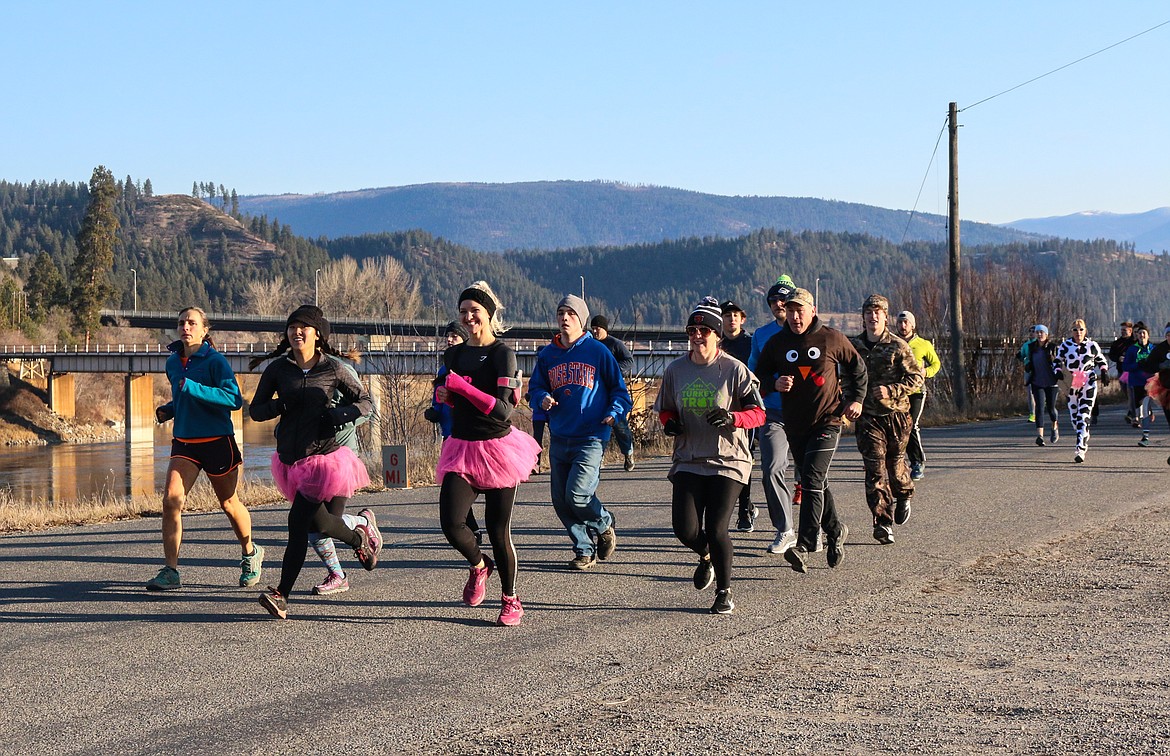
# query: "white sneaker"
[[784, 541]]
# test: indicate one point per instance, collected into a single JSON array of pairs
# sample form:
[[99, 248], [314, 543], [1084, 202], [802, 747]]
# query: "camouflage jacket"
[[889, 363]]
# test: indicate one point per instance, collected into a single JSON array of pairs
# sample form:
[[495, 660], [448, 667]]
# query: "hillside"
[[1147, 232], [565, 214], [165, 219]]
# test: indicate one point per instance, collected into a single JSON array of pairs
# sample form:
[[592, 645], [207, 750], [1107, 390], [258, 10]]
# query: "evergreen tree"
[[95, 251], [45, 288], [235, 205], [195, 189], [148, 189]]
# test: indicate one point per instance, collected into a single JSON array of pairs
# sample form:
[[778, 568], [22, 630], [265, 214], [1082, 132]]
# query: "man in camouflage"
[[883, 430]]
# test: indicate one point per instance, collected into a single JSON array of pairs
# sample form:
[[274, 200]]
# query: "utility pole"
[[958, 363]]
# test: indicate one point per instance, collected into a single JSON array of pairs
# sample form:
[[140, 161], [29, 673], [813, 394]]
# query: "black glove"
[[720, 417], [1104, 378], [431, 415], [163, 413], [673, 427], [335, 417]]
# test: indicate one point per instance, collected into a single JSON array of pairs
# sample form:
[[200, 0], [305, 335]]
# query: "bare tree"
[[273, 297]]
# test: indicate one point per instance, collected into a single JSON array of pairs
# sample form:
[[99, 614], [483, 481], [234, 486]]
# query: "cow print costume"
[[1081, 362]]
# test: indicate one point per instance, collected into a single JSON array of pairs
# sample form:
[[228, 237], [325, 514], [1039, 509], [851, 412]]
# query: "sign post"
[[394, 467]]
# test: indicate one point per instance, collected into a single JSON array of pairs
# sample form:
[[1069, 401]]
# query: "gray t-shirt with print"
[[691, 391]]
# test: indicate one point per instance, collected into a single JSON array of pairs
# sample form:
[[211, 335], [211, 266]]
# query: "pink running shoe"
[[334, 583], [510, 612], [476, 586], [367, 552]]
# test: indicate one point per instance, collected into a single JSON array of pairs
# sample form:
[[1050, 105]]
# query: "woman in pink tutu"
[[485, 453], [315, 472]]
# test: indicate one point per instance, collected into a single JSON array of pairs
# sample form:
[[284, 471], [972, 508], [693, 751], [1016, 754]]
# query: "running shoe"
[[476, 586], [901, 511], [883, 534], [797, 494], [335, 582], [629, 463], [917, 471], [167, 579], [607, 541], [704, 575], [747, 519], [250, 567], [1054, 436], [275, 603], [1040, 441], [1079, 457], [367, 552], [510, 611], [783, 542], [583, 562], [1145, 440], [723, 603], [1032, 417], [837, 547], [795, 558]]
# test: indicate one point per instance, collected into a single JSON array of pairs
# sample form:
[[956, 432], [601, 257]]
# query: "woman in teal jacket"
[[204, 393]]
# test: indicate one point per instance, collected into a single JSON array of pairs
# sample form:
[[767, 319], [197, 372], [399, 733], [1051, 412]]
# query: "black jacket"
[[309, 415]]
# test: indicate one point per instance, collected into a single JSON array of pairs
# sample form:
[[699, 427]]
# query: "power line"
[[924, 178], [1066, 65]]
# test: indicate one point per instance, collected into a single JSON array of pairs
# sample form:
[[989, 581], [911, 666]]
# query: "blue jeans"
[[574, 472]]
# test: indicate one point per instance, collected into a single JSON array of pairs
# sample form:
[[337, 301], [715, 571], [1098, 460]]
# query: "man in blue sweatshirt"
[[577, 382], [773, 440]]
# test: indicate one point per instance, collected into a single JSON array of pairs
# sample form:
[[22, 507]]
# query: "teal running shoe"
[[250, 566], [167, 579]]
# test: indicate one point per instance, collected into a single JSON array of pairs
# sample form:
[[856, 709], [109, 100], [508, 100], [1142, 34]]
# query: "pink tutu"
[[320, 477], [494, 463], [1160, 393]]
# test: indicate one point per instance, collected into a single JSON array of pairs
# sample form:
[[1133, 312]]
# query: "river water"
[[72, 472]]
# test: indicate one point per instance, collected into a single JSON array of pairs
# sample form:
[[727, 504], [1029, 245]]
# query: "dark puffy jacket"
[[311, 407]]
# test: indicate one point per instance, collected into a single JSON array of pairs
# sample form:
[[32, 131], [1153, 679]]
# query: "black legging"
[[1048, 393], [307, 516], [455, 498], [700, 507]]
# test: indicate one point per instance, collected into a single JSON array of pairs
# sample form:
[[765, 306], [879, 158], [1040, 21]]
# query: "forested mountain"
[[1147, 232], [569, 214], [193, 250]]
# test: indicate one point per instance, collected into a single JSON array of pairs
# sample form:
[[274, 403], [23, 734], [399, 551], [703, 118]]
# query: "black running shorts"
[[215, 456]]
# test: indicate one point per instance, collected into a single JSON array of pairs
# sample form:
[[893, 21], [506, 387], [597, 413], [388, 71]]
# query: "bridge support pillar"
[[139, 408], [370, 434], [62, 396]]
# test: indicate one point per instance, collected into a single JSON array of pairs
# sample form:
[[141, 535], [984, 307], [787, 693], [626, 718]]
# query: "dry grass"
[[17, 515]]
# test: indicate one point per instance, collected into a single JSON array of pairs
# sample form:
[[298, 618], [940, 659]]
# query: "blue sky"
[[837, 100]]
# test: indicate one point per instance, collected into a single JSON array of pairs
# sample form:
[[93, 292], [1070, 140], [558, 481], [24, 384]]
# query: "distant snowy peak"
[[1148, 231]]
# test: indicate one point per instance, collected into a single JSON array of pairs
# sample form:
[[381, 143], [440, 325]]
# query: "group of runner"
[[792, 384], [1143, 369]]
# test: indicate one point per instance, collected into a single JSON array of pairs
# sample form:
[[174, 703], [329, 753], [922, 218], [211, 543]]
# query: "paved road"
[[621, 659]]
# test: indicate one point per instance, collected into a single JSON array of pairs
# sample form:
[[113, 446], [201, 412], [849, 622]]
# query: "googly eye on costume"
[[792, 355], [814, 352]]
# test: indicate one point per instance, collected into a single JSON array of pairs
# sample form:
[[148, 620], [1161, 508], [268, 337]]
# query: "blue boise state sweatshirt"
[[586, 384]]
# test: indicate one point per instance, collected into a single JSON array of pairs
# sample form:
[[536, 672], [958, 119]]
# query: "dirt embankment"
[[25, 419]]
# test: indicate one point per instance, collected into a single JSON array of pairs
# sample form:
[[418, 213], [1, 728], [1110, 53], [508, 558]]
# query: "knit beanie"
[[707, 313], [577, 305], [599, 321], [310, 315], [909, 318], [876, 301], [455, 327]]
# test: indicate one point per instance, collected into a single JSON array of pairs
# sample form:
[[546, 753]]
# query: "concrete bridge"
[[383, 327], [58, 364]]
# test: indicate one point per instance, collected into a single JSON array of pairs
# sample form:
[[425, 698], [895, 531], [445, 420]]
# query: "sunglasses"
[[703, 331]]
